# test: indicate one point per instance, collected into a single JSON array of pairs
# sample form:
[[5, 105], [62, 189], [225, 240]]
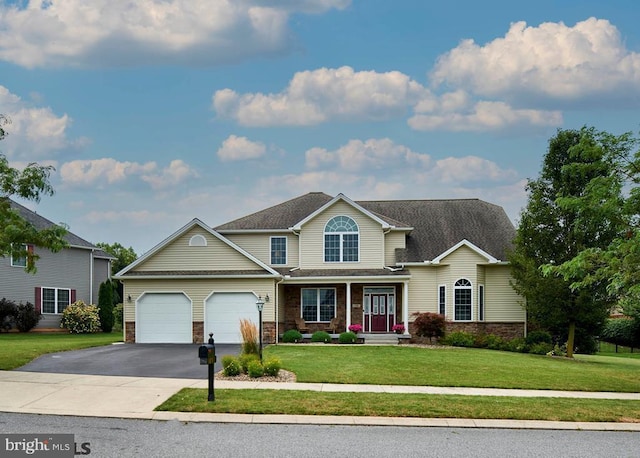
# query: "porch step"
[[379, 339]]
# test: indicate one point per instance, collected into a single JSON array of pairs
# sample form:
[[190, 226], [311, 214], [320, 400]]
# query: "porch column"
[[348, 305], [405, 307]]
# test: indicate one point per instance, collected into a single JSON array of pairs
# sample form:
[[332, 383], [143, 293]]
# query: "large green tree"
[[552, 231], [124, 257], [30, 183]]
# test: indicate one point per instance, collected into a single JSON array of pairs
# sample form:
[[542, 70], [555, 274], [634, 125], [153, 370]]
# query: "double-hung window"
[[55, 300], [278, 250], [18, 260], [318, 304], [341, 240]]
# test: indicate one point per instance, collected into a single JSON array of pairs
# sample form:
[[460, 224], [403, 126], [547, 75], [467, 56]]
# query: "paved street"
[[134, 438]]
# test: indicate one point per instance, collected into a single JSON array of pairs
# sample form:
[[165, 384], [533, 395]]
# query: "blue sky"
[[155, 112]]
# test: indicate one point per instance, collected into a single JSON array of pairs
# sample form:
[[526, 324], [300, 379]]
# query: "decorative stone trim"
[[130, 332], [198, 332]]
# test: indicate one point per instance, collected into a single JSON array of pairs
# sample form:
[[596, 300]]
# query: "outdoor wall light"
[[129, 298], [266, 298]]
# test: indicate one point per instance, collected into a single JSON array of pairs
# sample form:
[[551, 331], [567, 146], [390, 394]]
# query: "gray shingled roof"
[[40, 222], [437, 224]]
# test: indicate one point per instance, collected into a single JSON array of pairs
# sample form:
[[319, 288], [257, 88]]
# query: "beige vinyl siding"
[[370, 240], [259, 245], [178, 255], [501, 302], [393, 240], [198, 291], [423, 290]]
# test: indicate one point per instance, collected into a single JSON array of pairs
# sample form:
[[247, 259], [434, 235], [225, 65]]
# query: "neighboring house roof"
[[436, 225], [40, 222]]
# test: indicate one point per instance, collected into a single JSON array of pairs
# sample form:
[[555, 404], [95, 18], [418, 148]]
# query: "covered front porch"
[[311, 302]]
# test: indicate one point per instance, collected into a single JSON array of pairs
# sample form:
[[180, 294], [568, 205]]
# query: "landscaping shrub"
[[518, 345], [105, 305], [250, 337], [347, 337], [321, 336], [458, 339], [7, 313], [245, 359], [480, 340], [231, 366], [535, 337], [494, 342], [118, 317], [292, 336], [541, 348], [255, 369], [80, 318], [272, 367], [26, 317], [429, 324]]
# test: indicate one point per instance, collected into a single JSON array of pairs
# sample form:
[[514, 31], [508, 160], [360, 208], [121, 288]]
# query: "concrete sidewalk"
[[136, 397]]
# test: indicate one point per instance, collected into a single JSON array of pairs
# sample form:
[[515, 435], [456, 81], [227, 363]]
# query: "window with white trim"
[[278, 250], [442, 300], [19, 261], [462, 300], [55, 300], [341, 240], [198, 240], [481, 303], [318, 304]]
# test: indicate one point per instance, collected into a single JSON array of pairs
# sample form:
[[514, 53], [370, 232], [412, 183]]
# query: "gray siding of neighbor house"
[[69, 268]]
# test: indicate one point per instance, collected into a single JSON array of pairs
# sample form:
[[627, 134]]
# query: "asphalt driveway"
[[135, 360]]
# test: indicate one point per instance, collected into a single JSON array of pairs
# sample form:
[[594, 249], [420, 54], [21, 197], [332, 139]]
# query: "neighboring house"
[[318, 257], [74, 273]]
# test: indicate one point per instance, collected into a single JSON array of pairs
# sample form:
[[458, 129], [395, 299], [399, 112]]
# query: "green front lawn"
[[17, 349], [468, 367], [277, 402]]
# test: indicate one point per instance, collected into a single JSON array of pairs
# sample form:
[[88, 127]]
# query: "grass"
[[400, 365], [17, 349], [608, 349], [402, 405]]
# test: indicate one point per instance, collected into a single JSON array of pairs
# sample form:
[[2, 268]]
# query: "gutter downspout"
[[277, 303], [91, 277]]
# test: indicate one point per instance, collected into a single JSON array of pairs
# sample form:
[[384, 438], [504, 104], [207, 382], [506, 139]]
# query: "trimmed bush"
[[80, 318], [518, 345], [26, 317], [321, 336], [105, 305], [292, 336], [535, 337], [255, 369], [541, 348], [245, 359], [458, 339], [231, 366], [272, 367], [347, 337], [494, 342], [7, 313], [429, 324]]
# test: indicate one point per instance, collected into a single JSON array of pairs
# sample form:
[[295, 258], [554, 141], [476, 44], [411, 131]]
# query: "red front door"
[[379, 313]]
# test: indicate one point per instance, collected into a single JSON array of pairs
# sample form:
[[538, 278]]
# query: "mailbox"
[[207, 354]]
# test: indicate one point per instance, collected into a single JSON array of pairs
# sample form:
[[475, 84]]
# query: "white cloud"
[[127, 32], [554, 60], [461, 170], [236, 148], [372, 154], [322, 95], [98, 173], [34, 133]]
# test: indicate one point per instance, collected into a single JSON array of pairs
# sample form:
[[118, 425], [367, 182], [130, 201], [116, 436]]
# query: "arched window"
[[198, 240], [462, 300], [341, 240]]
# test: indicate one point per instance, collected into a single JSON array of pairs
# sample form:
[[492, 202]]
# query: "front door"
[[379, 309], [378, 313]]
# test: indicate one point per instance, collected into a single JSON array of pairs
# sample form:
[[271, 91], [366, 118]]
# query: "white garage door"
[[223, 312], [163, 318]]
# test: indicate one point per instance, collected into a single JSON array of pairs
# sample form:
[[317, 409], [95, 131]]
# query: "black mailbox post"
[[207, 355]]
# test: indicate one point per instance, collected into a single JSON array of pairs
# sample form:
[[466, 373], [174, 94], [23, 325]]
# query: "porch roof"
[[344, 274]]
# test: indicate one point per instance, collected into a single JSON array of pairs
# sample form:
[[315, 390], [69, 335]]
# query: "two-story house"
[[317, 258], [74, 273]]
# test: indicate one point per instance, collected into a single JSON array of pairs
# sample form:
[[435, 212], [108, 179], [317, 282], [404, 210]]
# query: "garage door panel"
[[223, 312], [164, 318]]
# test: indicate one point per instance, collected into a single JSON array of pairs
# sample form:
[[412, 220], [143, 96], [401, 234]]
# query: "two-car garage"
[[166, 317]]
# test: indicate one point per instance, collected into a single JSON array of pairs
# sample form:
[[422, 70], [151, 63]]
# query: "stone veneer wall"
[[198, 332], [130, 335], [504, 330]]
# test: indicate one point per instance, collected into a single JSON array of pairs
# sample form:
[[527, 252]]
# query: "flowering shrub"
[[399, 328], [255, 369], [272, 367], [356, 328], [80, 318], [231, 366]]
